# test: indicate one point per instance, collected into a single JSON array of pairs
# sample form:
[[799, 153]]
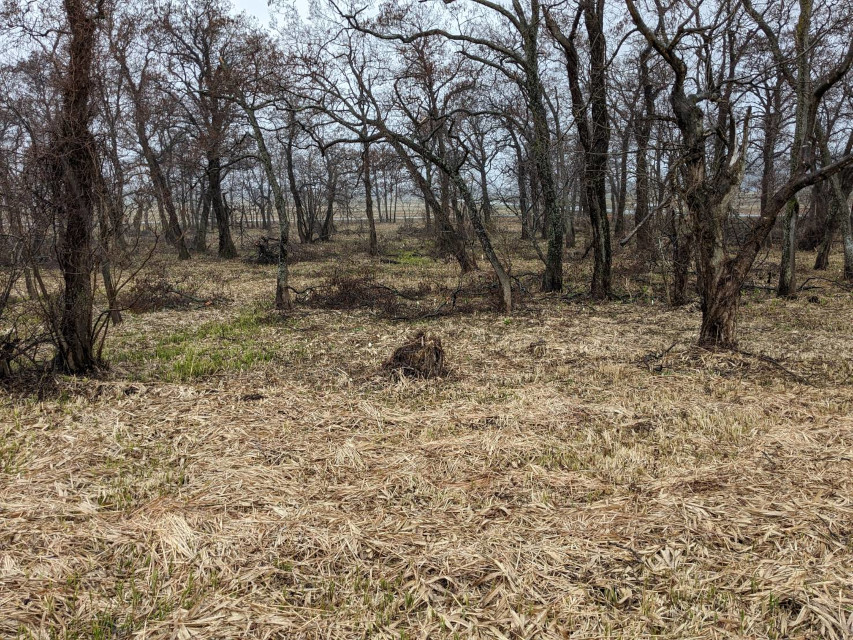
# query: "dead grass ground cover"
[[581, 471]]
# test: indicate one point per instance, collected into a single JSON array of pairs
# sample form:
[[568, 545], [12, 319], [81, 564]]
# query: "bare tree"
[[593, 127], [137, 87], [518, 60], [250, 83], [708, 187], [200, 37], [73, 171]]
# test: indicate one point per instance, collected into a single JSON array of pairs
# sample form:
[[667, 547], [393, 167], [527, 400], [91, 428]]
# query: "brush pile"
[[421, 357]]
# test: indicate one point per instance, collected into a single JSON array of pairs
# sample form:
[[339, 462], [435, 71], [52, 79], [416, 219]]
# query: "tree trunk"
[[523, 201], [840, 187], [282, 290], [787, 286], [682, 251], [204, 218], [484, 193], [788, 270], [719, 316], [833, 220], [847, 240], [593, 128], [486, 244], [571, 239], [540, 152], [328, 221], [449, 243], [220, 211], [75, 170], [373, 245], [162, 190]]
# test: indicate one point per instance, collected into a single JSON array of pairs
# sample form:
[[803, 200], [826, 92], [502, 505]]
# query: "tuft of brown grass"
[[422, 356]]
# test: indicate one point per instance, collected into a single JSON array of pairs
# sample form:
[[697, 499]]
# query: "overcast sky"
[[260, 10]]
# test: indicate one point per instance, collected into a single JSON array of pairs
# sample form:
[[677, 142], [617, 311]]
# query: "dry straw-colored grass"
[[581, 471]]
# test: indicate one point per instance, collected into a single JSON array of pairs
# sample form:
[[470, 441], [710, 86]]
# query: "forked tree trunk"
[[298, 205], [485, 242]]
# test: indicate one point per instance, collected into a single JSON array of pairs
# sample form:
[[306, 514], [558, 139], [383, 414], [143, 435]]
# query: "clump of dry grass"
[[420, 357]]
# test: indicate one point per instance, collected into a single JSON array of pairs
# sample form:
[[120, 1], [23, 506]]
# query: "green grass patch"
[[212, 348], [410, 258]]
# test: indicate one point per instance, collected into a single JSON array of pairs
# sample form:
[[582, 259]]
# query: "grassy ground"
[[582, 471]]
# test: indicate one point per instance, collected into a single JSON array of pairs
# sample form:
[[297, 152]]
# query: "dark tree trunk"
[[328, 220], [540, 153], [373, 245], [204, 218], [593, 126], [305, 234], [220, 210], [75, 171]]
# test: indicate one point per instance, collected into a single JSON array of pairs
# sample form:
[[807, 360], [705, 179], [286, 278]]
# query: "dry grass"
[[582, 472]]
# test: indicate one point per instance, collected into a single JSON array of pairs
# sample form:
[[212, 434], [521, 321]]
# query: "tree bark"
[[75, 170], [220, 210], [788, 270], [593, 128], [373, 245]]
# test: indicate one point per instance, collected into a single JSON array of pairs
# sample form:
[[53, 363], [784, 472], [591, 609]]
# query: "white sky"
[[260, 10]]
